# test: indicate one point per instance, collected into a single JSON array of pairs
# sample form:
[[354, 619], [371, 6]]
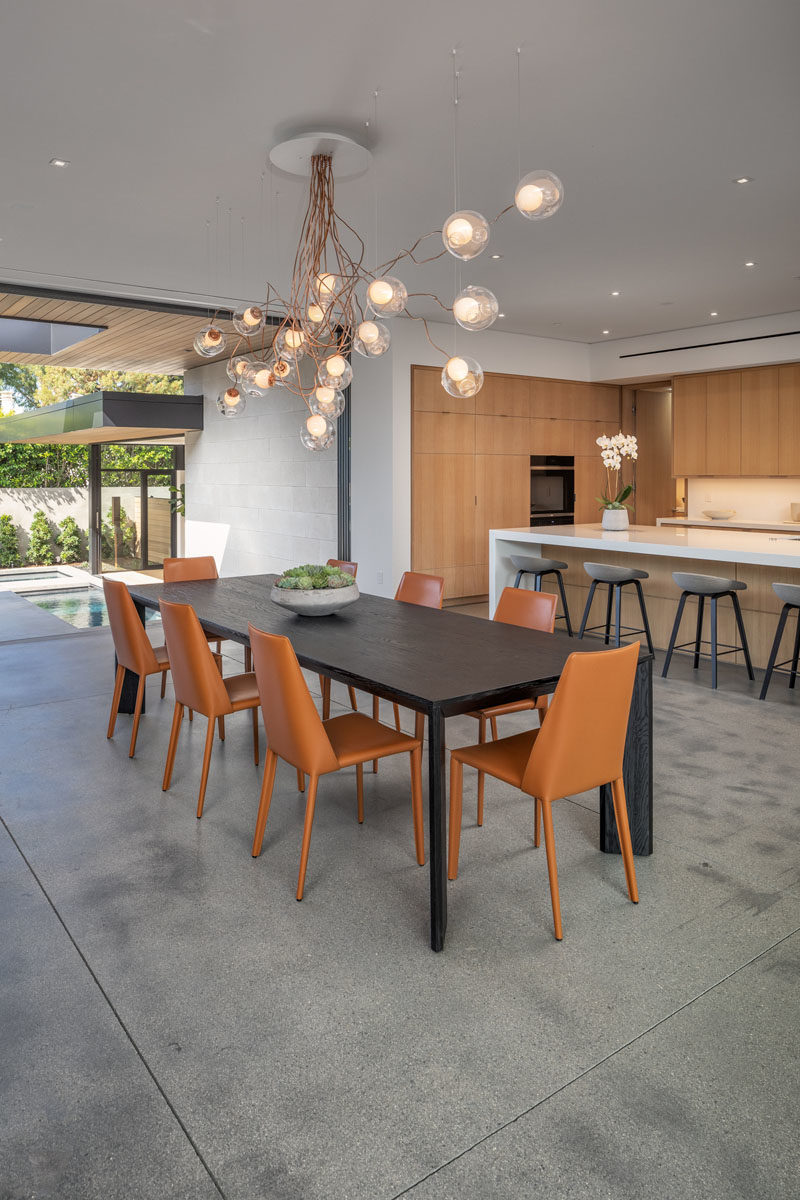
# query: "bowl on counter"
[[719, 514]]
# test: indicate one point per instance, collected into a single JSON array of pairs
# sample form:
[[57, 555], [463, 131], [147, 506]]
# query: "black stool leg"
[[609, 603], [714, 641], [645, 621], [776, 645], [537, 583], [592, 590], [560, 583], [618, 603], [519, 576], [674, 635], [701, 601], [745, 648], [796, 654]]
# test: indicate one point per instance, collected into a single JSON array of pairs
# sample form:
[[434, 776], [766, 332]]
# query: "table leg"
[[637, 772], [437, 847], [130, 683]]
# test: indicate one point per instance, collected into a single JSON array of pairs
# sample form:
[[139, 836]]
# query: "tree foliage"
[[9, 543], [40, 544], [69, 539], [37, 386]]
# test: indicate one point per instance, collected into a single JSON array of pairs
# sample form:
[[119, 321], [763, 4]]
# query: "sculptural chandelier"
[[336, 306]]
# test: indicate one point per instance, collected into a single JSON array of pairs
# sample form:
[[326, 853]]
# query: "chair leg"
[[609, 609], [376, 716], [456, 794], [206, 763], [537, 821], [776, 645], [191, 715], [360, 791], [255, 735], [623, 829], [301, 781], [481, 775], [673, 637], [645, 621], [248, 659], [112, 720], [564, 605], [519, 576], [309, 821], [267, 784], [698, 637], [137, 712], [177, 717], [419, 726], [550, 848], [221, 723], [589, 599], [325, 689], [796, 654], [416, 804], [163, 684], [353, 701], [493, 723], [396, 708], [737, 612], [713, 641], [618, 608]]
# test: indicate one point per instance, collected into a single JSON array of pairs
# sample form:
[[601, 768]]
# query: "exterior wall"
[[255, 497]]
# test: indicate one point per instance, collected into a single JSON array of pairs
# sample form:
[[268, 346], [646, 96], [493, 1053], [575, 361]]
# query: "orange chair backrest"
[[531, 610], [131, 643], [195, 676], [426, 590], [294, 729], [181, 570], [350, 568], [582, 742]]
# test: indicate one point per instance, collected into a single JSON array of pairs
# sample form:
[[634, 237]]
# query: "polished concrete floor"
[[174, 1024]]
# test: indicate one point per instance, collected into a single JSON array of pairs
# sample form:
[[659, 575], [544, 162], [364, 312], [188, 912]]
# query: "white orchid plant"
[[612, 452]]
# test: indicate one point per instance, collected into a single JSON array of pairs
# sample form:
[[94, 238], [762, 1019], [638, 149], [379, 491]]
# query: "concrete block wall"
[[255, 497]]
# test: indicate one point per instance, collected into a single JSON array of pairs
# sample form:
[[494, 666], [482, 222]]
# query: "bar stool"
[[537, 567], [790, 594], [616, 578], [714, 588]]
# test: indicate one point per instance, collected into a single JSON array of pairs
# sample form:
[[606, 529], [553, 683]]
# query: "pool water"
[[37, 575], [83, 607]]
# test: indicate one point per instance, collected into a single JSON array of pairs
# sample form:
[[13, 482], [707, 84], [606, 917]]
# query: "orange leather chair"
[[427, 591], [199, 685], [579, 746], [297, 734], [351, 568], [531, 610], [201, 566], [134, 652]]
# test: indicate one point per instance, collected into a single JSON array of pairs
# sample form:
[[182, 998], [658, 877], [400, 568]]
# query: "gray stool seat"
[[536, 566], [789, 593], [706, 585], [605, 573], [712, 588]]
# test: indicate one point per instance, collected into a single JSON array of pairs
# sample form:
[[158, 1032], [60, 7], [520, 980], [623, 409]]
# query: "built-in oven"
[[552, 489]]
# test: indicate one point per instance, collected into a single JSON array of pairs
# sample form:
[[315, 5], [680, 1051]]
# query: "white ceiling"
[[647, 110]]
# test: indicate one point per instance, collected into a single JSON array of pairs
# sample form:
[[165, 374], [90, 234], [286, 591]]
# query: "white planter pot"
[[615, 518], [320, 602]]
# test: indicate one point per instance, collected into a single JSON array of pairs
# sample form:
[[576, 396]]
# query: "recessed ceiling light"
[[713, 314], [616, 293], [499, 315], [744, 179], [606, 331], [749, 264], [497, 256], [59, 162]]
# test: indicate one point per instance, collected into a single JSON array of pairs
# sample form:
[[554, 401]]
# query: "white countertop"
[[732, 523], [707, 544]]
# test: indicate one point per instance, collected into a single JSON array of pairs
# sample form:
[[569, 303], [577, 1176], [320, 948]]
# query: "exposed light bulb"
[[316, 314], [325, 395], [457, 369], [530, 198], [316, 425], [294, 338], [212, 337], [252, 316], [380, 292], [264, 378], [326, 285], [538, 195], [232, 397], [368, 332], [458, 232], [335, 365], [465, 309], [281, 369]]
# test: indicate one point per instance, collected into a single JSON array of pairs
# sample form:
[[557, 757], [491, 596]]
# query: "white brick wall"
[[255, 497]]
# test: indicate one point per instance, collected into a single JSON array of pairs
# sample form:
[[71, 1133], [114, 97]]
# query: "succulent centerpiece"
[[313, 590]]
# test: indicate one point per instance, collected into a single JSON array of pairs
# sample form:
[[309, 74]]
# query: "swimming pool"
[[83, 607], [28, 574]]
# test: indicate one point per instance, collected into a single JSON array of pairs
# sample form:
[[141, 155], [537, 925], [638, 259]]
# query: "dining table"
[[435, 661]]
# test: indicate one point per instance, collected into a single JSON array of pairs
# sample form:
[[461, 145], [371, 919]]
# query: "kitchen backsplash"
[[753, 499]]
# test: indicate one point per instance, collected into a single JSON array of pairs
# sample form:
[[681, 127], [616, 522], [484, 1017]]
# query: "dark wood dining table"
[[437, 662]]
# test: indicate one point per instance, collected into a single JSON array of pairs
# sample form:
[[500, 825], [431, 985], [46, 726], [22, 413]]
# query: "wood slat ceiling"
[[135, 339]]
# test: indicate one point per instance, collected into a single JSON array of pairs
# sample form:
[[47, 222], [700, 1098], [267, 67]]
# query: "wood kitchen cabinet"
[[724, 423], [502, 435], [503, 495], [552, 436], [789, 419], [443, 511], [760, 453], [590, 482], [689, 425]]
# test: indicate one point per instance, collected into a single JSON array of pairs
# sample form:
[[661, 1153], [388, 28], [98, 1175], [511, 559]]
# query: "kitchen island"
[[757, 559]]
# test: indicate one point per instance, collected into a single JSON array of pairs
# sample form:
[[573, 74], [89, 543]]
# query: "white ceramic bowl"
[[318, 602], [719, 514]]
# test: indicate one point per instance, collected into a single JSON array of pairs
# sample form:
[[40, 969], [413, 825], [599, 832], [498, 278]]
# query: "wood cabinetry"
[[759, 422], [471, 463], [724, 423], [789, 419], [689, 425]]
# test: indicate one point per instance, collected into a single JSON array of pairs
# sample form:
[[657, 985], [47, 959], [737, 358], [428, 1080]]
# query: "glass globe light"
[[372, 338], [475, 308], [209, 342], [327, 401], [257, 378], [236, 368], [249, 320], [290, 342], [462, 376], [335, 372], [315, 314], [231, 403], [466, 233], [318, 433], [387, 296], [539, 194], [282, 370], [326, 286]]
